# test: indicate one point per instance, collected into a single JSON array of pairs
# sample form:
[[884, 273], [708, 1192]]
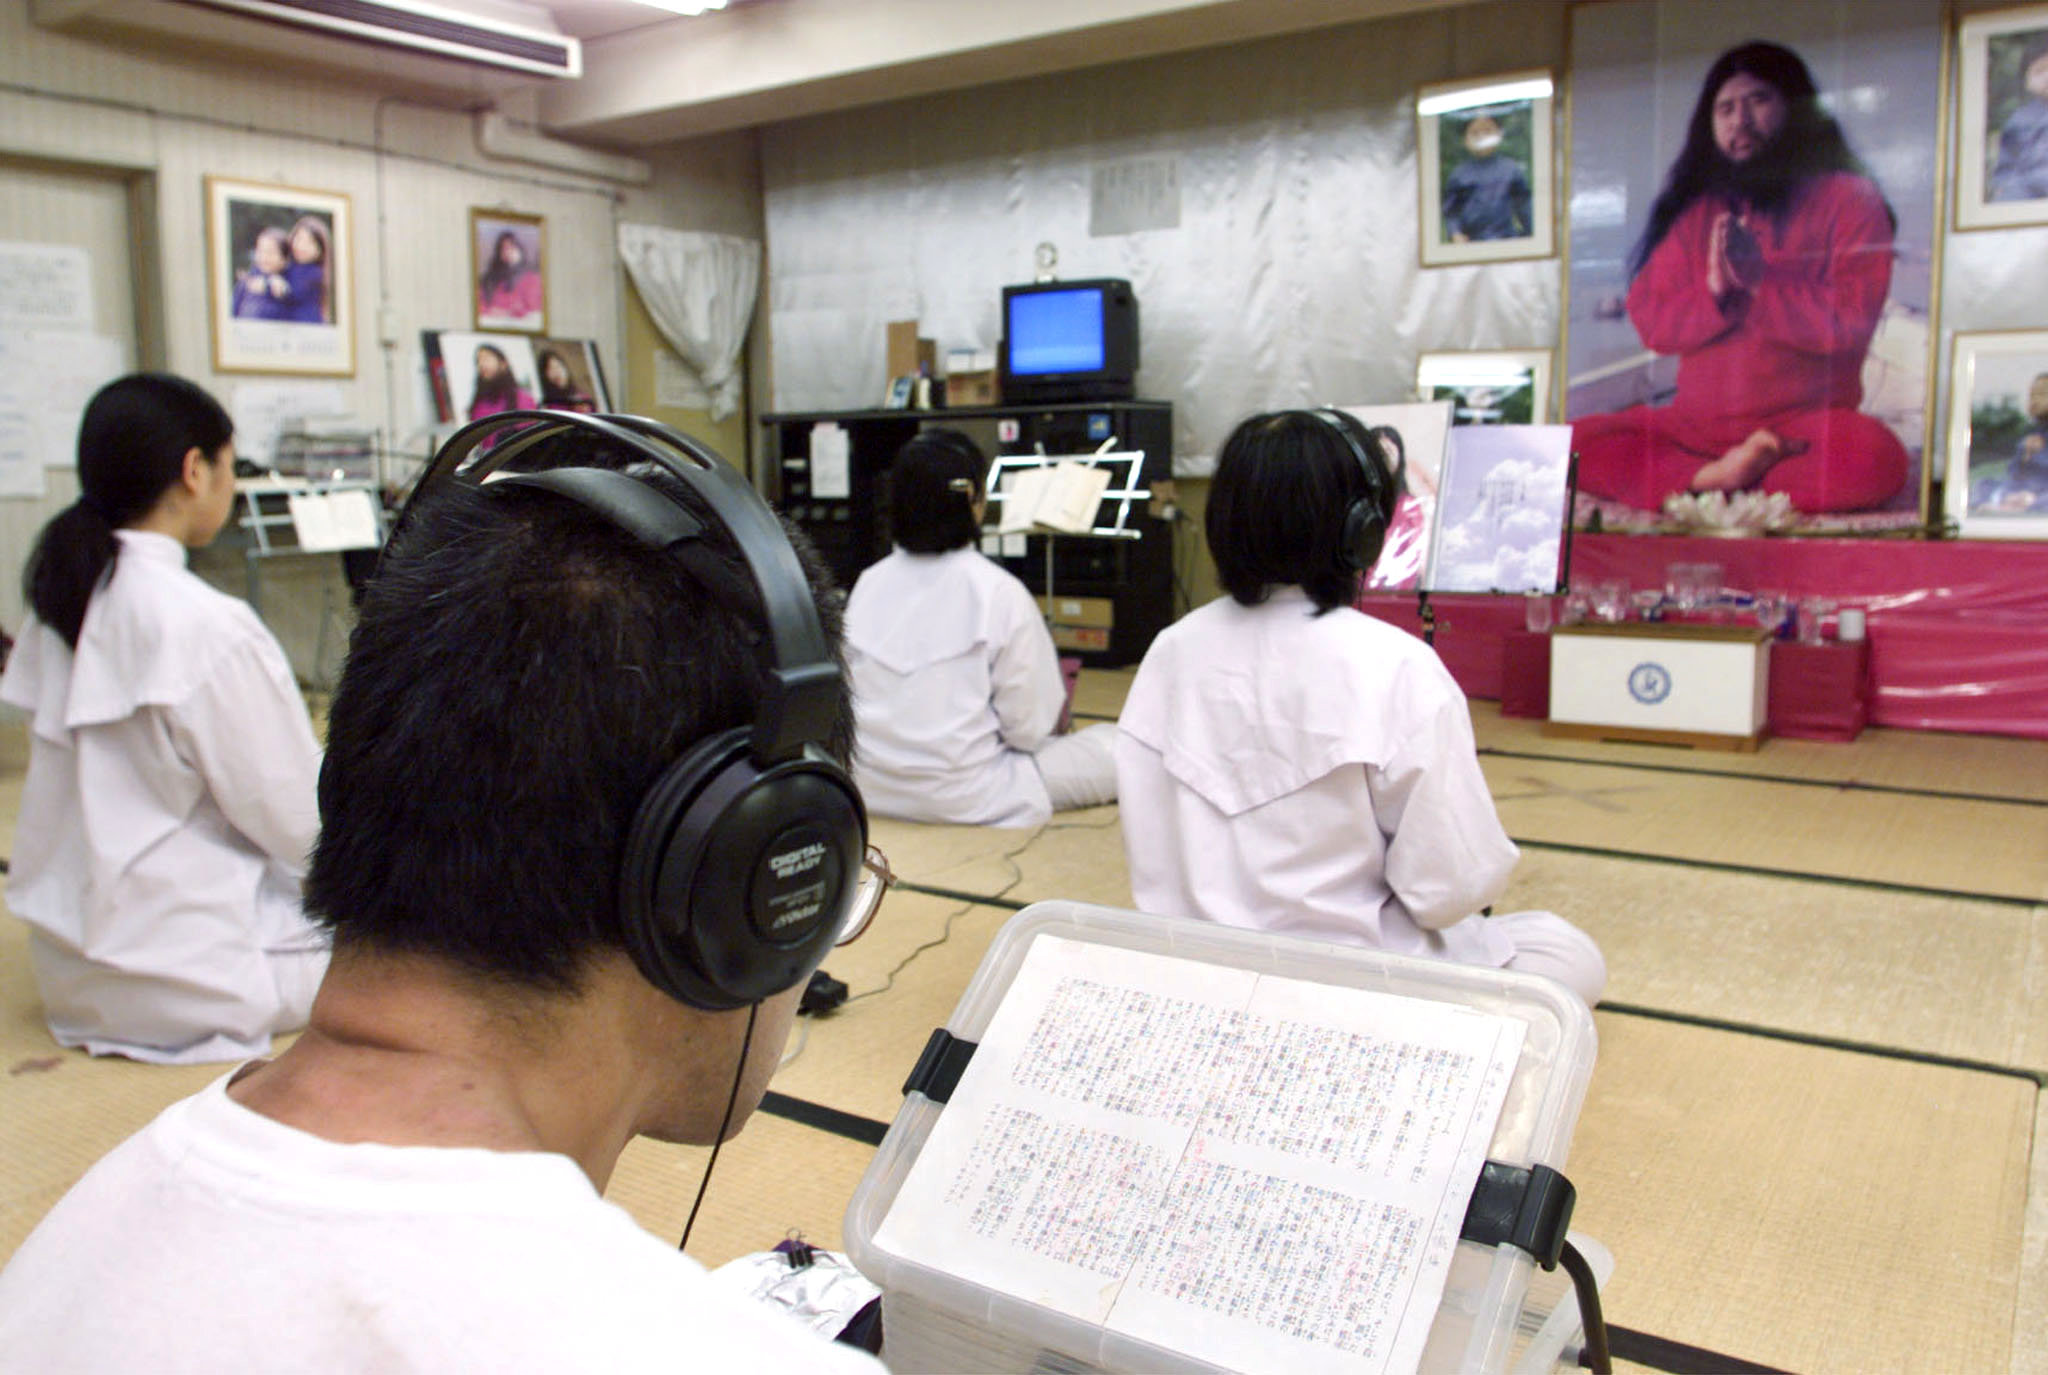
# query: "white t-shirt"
[[1311, 774], [955, 684], [166, 820], [217, 1239]]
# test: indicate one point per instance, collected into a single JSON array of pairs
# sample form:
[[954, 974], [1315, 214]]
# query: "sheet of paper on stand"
[[1123, 1149], [328, 521]]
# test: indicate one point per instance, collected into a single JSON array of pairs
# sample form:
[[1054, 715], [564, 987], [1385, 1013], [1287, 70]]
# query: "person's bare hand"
[[1719, 278]]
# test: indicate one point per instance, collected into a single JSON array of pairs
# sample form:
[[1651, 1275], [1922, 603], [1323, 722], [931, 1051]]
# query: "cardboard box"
[[1086, 637], [1090, 611], [910, 355], [972, 389]]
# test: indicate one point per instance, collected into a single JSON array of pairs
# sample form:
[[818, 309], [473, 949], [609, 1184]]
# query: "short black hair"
[[1283, 483], [520, 672], [929, 511]]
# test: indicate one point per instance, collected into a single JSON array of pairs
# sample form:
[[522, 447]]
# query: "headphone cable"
[[739, 1073]]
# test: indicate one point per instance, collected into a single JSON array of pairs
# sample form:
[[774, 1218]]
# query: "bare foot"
[[1742, 466]]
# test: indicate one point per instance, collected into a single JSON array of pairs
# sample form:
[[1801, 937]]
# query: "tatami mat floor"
[[1810, 1140]]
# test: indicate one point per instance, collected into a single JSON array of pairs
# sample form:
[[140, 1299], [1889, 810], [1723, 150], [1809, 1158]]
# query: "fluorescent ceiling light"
[[1535, 88], [683, 6]]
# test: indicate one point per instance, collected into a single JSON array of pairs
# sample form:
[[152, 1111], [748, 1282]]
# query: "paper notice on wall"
[[45, 286], [676, 383], [21, 459], [48, 376], [1133, 194], [264, 410], [831, 462]]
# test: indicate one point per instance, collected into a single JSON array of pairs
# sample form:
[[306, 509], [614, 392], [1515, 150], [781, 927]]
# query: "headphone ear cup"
[[735, 878], [1365, 534]]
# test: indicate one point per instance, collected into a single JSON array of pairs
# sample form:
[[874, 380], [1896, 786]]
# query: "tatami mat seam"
[[1792, 875], [1786, 780]]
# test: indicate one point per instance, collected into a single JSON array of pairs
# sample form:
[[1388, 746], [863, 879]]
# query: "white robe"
[[1310, 774], [220, 1239], [166, 819], [955, 684]]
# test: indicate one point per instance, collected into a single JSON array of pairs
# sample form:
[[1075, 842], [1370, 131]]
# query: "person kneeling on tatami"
[[1288, 763]]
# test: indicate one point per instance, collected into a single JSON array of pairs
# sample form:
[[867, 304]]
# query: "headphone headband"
[[798, 703]]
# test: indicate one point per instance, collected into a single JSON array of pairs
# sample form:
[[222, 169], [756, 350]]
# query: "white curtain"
[[700, 290]]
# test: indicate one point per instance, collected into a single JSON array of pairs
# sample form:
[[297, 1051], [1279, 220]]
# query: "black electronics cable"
[[739, 1073], [1595, 1357], [992, 899]]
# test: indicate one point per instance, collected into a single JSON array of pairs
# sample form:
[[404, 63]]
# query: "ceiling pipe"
[[499, 136]]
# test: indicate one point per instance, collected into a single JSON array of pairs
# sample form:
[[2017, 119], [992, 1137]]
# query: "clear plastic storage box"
[[1490, 1319]]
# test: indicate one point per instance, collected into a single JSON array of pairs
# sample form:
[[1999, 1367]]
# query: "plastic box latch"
[[938, 1070], [1513, 1205]]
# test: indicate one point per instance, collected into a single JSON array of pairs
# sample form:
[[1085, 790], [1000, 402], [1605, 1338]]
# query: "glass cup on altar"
[[1813, 615], [1577, 607], [1536, 613]]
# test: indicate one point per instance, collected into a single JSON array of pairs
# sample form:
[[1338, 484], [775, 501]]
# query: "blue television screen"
[[1056, 332]]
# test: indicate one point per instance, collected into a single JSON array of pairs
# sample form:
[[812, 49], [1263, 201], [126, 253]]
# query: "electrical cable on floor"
[[1017, 876], [1592, 1322]]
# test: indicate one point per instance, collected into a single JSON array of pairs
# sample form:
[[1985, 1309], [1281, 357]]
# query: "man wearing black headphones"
[[1288, 763], [586, 832]]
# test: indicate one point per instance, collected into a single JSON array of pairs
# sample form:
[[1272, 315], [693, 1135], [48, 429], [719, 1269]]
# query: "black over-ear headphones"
[[1383, 458], [743, 856]]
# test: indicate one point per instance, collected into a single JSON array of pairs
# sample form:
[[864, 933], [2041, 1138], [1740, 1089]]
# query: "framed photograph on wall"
[[1753, 229], [569, 376], [1997, 485], [2002, 118], [1484, 151], [1510, 387], [279, 279], [508, 266]]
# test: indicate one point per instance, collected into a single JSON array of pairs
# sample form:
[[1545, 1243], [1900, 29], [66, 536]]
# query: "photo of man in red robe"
[[1764, 268]]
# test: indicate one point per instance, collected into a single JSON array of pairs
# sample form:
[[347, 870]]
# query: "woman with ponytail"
[[169, 805]]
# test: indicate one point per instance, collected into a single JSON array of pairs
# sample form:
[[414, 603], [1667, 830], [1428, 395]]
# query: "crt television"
[[1070, 341]]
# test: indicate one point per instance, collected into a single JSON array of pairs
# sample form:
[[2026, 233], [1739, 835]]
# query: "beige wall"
[[411, 173]]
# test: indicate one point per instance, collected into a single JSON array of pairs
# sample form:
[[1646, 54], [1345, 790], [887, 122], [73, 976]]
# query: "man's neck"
[[408, 1051]]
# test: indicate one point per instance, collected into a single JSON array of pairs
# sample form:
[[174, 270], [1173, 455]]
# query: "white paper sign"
[[21, 460], [676, 384], [45, 286], [49, 376], [264, 410], [831, 461]]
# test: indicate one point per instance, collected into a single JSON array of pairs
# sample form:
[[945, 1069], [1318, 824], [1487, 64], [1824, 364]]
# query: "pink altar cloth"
[[1958, 629]]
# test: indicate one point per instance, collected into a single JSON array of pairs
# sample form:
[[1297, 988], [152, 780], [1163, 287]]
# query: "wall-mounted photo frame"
[[1708, 256], [2002, 118], [508, 268], [279, 279], [1997, 486], [1483, 148], [1503, 387]]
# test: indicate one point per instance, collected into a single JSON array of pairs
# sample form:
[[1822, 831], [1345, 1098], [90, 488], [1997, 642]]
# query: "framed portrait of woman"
[[1753, 226], [2002, 118], [1997, 484], [279, 279], [508, 271], [1483, 149]]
